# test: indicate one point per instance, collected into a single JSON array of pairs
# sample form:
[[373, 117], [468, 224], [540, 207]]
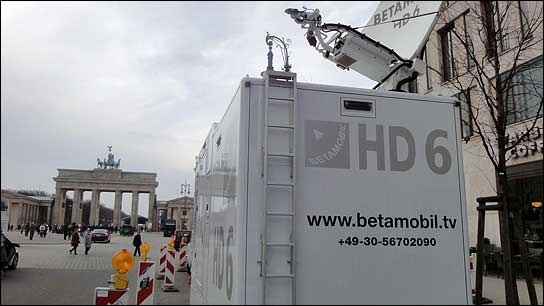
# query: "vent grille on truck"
[[344, 61]]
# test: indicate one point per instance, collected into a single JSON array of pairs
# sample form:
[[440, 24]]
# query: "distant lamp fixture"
[[536, 204], [283, 45], [185, 189]]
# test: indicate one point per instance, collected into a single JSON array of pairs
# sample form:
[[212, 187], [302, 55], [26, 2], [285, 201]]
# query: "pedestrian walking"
[[137, 242], [27, 229], [42, 231], [32, 230], [21, 228], [74, 243], [65, 231], [88, 241]]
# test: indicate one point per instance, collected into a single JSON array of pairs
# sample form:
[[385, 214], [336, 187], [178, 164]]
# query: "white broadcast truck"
[[318, 194]]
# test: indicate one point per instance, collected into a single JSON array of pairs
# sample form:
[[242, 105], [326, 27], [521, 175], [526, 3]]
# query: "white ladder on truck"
[[271, 204]]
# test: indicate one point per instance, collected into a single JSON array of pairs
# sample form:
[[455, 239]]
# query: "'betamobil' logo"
[[326, 144]]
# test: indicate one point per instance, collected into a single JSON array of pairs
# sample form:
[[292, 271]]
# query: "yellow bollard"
[[122, 262], [145, 249]]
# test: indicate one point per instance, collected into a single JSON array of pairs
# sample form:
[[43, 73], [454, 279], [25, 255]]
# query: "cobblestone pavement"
[[493, 288], [47, 274]]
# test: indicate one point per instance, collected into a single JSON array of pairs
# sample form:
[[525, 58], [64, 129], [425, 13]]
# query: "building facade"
[[179, 209], [22, 209], [451, 72]]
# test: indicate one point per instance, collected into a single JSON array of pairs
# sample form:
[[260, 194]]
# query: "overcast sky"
[[147, 78]]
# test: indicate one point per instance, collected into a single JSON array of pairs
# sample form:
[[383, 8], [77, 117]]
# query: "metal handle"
[[260, 262]]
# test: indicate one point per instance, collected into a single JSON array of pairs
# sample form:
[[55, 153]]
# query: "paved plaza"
[[47, 274]]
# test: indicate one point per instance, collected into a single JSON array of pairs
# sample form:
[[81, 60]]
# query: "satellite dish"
[[403, 26]]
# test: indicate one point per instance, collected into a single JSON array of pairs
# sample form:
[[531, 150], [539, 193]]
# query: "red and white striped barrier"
[[162, 262], [110, 296], [146, 283], [182, 264], [170, 274]]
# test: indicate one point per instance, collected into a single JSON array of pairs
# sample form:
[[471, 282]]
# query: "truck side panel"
[[379, 201], [221, 203], [383, 174], [200, 220]]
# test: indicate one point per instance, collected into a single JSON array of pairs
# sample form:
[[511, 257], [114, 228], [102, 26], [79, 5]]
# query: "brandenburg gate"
[[107, 177]]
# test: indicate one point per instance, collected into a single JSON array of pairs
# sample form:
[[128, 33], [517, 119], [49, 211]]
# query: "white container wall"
[[379, 204]]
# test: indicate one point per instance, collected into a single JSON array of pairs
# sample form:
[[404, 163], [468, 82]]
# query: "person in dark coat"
[[32, 230], [75, 242], [137, 242], [65, 231], [27, 229]]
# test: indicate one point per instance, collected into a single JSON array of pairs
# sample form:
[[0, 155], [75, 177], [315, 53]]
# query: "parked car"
[[101, 235], [10, 256], [126, 230]]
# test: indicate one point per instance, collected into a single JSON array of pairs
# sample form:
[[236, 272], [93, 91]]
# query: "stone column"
[[97, 218], [41, 216], [28, 213], [117, 208], [33, 213], [23, 213], [150, 210], [80, 209], [19, 213], [177, 216], [95, 206], [56, 208], [75, 205], [134, 211], [48, 215], [30, 206], [60, 206]]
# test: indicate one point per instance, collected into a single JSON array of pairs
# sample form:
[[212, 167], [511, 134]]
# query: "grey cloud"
[[148, 78]]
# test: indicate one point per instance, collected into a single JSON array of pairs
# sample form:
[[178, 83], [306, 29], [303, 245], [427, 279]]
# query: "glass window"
[[524, 91], [526, 192], [523, 16], [448, 59], [495, 23], [469, 47], [466, 113], [423, 56], [184, 213]]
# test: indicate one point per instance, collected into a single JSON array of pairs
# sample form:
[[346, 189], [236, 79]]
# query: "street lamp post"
[[282, 44]]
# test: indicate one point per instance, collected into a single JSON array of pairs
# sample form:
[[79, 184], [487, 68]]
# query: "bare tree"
[[39, 193], [488, 57]]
